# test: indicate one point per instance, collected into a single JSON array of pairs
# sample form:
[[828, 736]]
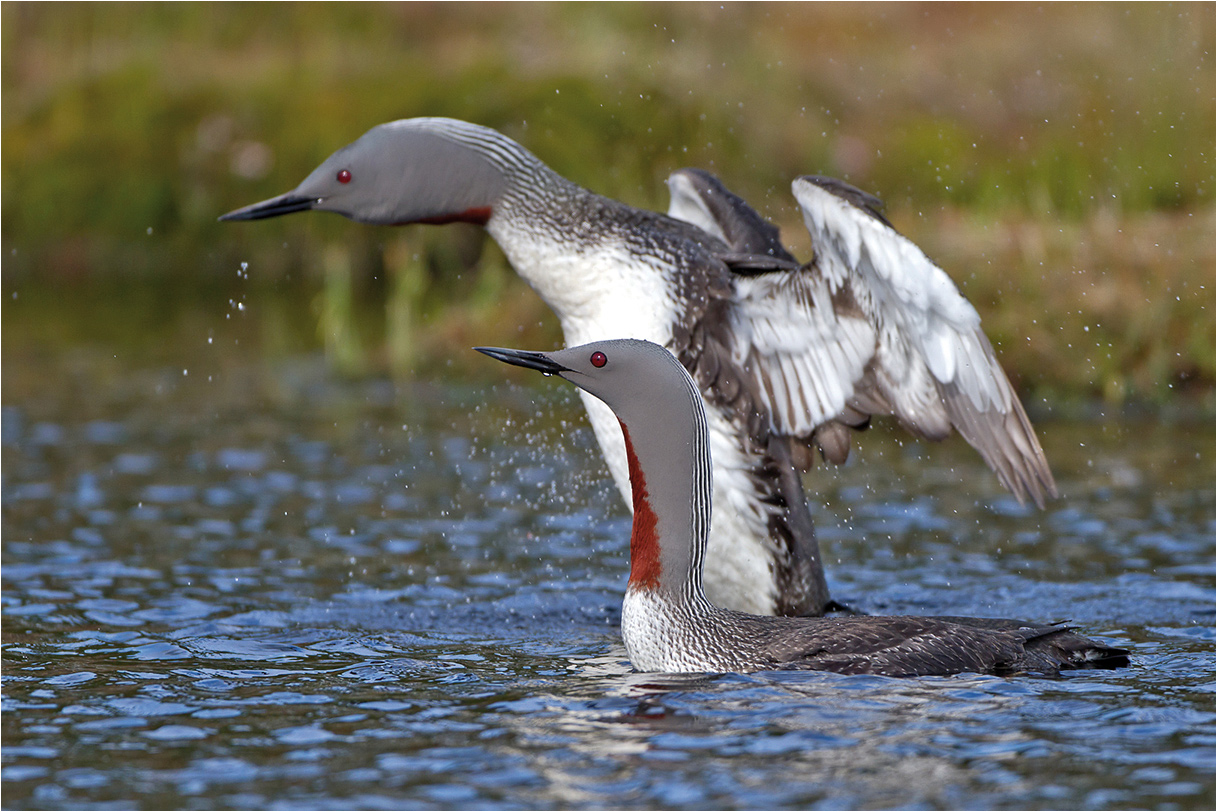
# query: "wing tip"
[[855, 197]]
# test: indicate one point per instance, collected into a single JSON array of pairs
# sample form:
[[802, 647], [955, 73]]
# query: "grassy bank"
[[1056, 160]]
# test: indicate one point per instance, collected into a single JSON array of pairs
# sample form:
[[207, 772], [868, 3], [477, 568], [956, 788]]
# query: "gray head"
[[640, 381], [417, 170]]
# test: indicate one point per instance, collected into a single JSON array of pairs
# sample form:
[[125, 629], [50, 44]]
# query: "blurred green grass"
[[1056, 160]]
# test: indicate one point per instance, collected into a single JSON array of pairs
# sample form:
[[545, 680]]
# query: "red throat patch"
[[478, 215], [644, 539]]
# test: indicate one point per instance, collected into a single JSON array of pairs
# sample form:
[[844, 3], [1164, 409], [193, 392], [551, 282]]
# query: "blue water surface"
[[298, 592]]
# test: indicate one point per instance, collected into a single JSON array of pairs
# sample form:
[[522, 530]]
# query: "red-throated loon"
[[785, 355], [666, 620]]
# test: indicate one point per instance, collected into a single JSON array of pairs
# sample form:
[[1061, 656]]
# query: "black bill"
[[283, 204], [524, 358]]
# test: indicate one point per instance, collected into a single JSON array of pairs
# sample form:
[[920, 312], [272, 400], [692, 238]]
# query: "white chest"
[[598, 290]]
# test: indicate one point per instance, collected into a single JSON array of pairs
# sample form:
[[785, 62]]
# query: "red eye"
[[599, 359], [344, 176]]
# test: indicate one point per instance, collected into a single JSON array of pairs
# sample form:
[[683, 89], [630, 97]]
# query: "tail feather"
[[1072, 650]]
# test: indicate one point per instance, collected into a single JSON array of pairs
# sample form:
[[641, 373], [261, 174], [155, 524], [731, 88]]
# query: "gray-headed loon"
[[787, 356]]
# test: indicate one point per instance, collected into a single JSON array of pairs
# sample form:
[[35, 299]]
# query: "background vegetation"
[[1057, 160]]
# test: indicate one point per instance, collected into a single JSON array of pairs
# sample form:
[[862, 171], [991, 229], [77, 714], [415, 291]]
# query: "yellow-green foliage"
[[1056, 159]]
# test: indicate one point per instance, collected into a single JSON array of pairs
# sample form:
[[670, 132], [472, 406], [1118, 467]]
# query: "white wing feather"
[[897, 285], [904, 289], [804, 357], [905, 342]]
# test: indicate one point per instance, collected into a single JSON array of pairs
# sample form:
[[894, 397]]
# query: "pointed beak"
[[283, 204], [523, 358]]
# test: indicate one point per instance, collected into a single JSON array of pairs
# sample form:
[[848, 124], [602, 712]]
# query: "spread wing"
[[870, 326]]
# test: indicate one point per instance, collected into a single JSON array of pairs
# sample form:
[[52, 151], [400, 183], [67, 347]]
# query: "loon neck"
[[529, 182], [670, 489]]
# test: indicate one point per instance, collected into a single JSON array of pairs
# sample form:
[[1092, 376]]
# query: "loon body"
[[667, 622], [787, 356]]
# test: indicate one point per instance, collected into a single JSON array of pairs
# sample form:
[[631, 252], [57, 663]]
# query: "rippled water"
[[294, 592]]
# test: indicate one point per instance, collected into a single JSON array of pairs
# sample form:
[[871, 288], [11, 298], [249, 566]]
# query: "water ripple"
[[260, 619]]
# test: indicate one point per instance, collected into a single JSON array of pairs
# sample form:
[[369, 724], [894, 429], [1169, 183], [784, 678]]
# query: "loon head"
[[418, 170], [644, 384]]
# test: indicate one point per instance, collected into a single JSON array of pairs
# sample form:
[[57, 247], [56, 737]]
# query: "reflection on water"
[[278, 589]]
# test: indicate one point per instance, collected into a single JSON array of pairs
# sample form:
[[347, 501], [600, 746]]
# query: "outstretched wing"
[[870, 326], [792, 310], [933, 365]]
